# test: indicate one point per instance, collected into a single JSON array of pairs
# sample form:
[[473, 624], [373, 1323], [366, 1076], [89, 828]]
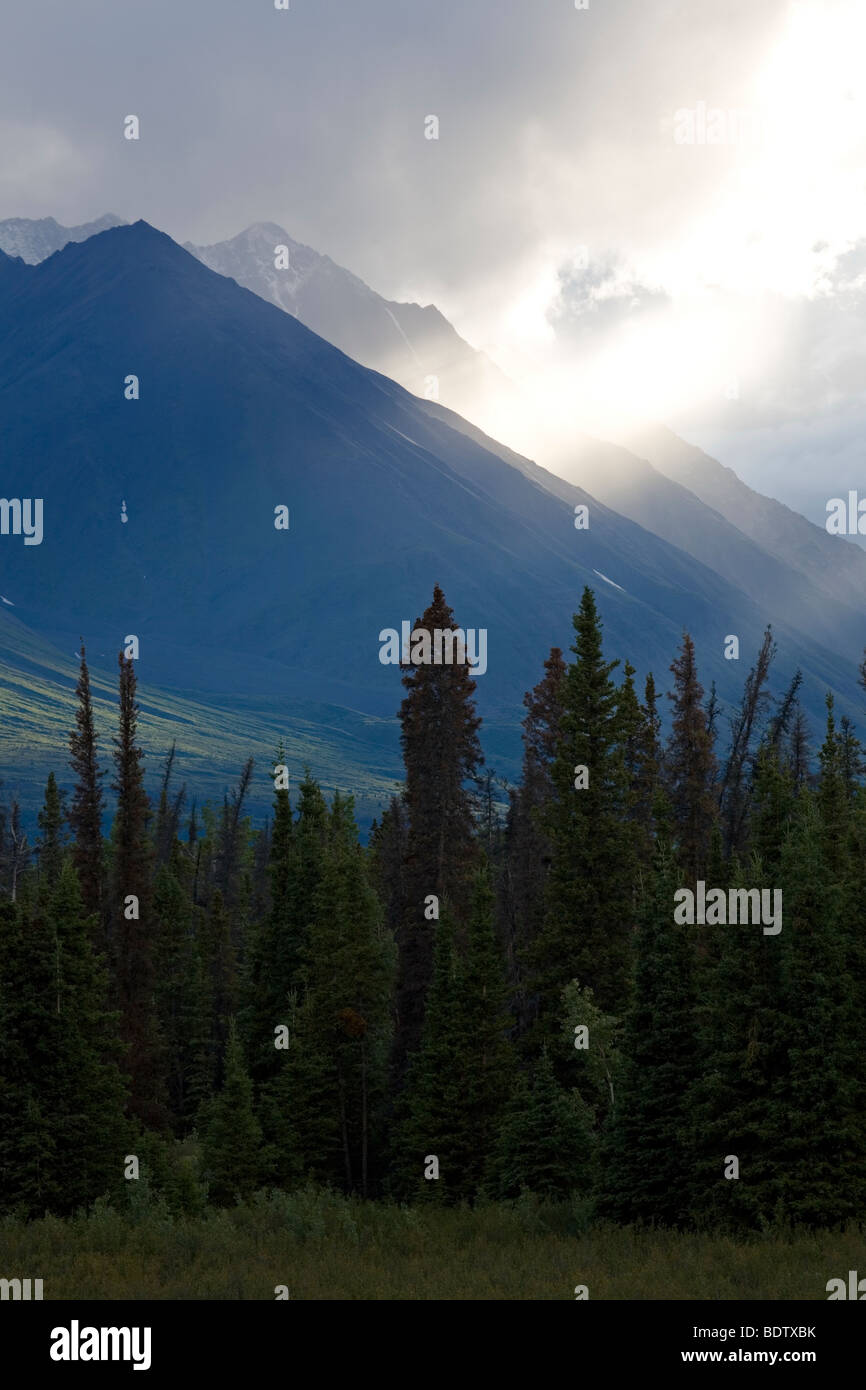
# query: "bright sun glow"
[[790, 197]]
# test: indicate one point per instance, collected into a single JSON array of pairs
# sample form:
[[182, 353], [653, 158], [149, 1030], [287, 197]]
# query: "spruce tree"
[[51, 821], [232, 1140], [589, 907], [441, 752], [734, 787], [131, 932], [62, 1130], [430, 1115], [834, 800], [527, 846], [643, 764], [545, 1144], [220, 975], [733, 1101], [691, 766], [460, 1079], [823, 1136], [798, 749], [851, 757], [231, 841], [29, 1165], [343, 1026], [486, 1059], [648, 1163], [773, 805], [169, 809], [388, 862], [181, 993], [85, 812], [275, 955]]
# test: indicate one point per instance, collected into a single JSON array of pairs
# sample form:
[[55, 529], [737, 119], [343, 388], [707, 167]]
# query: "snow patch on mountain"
[[34, 239], [609, 581]]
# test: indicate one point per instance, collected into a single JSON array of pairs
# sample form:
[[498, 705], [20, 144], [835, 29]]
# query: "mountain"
[[243, 409], [674, 510], [727, 527], [33, 239], [834, 566], [789, 567], [409, 342]]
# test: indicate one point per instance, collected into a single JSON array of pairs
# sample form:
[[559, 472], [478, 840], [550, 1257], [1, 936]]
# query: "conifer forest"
[[488, 1003]]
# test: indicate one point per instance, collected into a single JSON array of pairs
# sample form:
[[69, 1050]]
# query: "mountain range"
[[159, 522]]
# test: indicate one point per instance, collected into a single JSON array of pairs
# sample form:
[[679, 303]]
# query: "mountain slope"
[[833, 565], [635, 489], [408, 343], [411, 343], [780, 560], [670, 509], [243, 409]]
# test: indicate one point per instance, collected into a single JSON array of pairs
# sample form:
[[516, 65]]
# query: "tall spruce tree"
[[131, 932], [181, 993], [441, 752], [86, 810], [589, 909], [50, 847], [643, 753], [527, 846], [169, 809], [691, 766], [275, 954], [834, 801], [736, 776]]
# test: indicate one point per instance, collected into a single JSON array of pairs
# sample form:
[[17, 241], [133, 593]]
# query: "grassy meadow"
[[324, 1246]]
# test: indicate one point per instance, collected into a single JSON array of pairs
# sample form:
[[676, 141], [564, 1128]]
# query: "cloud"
[[40, 165], [722, 280], [596, 300]]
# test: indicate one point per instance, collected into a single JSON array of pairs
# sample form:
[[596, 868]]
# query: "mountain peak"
[[34, 239], [125, 239]]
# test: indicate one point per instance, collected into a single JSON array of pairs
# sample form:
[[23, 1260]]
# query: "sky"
[[641, 210]]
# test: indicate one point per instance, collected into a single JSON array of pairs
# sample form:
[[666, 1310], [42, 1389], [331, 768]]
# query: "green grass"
[[328, 1247], [346, 749]]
